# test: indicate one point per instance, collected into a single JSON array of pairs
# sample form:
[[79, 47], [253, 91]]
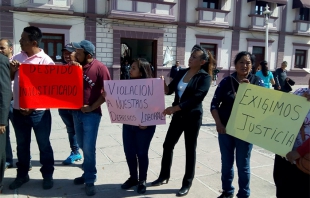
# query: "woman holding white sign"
[[137, 139], [221, 107], [191, 86]]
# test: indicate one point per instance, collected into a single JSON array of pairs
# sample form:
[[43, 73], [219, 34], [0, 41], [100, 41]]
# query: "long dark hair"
[[244, 53], [264, 67], [144, 67], [207, 56]]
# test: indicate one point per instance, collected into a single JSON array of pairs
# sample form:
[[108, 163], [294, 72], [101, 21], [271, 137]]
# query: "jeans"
[[190, 125], [67, 118], [228, 145], [86, 125], [8, 148], [41, 123], [136, 143]]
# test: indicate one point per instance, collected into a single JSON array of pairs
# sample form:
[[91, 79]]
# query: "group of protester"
[[190, 86]]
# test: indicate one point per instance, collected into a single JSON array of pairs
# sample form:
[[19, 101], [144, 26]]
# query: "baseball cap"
[[69, 48], [86, 45]]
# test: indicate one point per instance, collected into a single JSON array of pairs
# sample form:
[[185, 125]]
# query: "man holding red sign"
[[87, 119], [26, 119]]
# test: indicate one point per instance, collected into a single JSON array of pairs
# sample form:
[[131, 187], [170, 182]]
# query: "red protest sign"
[[50, 86]]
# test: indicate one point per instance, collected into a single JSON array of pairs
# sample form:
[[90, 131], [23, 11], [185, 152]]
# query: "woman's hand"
[[142, 127], [220, 128], [292, 156], [170, 110], [245, 80]]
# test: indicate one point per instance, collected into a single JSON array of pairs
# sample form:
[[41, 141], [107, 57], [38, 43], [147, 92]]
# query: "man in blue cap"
[[68, 55], [87, 119]]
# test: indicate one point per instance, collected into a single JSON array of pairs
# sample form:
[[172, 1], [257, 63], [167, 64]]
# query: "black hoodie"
[[224, 96]]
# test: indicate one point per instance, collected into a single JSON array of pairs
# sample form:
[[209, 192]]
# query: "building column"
[[90, 24], [281, 42], [6, 22], [181, 32], [236, 32]]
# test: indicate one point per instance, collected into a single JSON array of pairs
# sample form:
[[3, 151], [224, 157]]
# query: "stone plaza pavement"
[[113, 170]]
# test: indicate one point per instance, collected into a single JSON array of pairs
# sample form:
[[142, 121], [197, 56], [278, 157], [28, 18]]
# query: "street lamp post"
[[267, 15]]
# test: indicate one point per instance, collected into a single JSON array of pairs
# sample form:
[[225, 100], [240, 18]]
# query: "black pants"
[[290, 181], [2, 156], [191, 127]]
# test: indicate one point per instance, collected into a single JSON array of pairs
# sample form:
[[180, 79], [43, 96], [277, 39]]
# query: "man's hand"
[[2, 129], [220, 128], [86, 108], [14, 65], [26, 112]]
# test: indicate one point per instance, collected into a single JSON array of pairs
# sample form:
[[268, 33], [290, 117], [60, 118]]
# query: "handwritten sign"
[[50, 86], [267, 118], [136, 102]]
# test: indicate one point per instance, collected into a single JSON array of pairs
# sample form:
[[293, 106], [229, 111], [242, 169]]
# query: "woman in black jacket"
[[221, 107], [191, 86]]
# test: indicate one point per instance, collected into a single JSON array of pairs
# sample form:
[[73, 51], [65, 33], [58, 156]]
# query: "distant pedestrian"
[[68, 54], [221, 107], [125, 70], [215, 73], [174, 70], [280, 76], [5, 98], [190, 86], [87, 119], [265, 74]]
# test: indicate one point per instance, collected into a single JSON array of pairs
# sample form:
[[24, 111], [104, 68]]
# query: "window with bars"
[[304, 14], [210, 47], [52, 44], [260, 7], [212, 4], [300, 58]]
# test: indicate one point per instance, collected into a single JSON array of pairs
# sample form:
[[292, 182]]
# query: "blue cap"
[[86, 45]]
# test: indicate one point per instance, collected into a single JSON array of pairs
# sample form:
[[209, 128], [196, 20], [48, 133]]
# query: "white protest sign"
[[136, 102]]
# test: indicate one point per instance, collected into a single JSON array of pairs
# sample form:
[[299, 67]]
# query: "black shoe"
[[90, 189], [48, 183], [129, 183], [18, 182], [141, 187], [30, 166], [160, 181], [183, 191], [225, 195], [79, 181]]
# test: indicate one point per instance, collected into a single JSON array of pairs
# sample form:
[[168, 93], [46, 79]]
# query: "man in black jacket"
[[5, 98]]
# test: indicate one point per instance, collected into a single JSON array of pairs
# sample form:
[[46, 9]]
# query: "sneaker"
[[225, 195], [141, 187], [73, 157], [90, 189], [48, 183], [18, 182], [79, 181], [8, 165], [129, 183]]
